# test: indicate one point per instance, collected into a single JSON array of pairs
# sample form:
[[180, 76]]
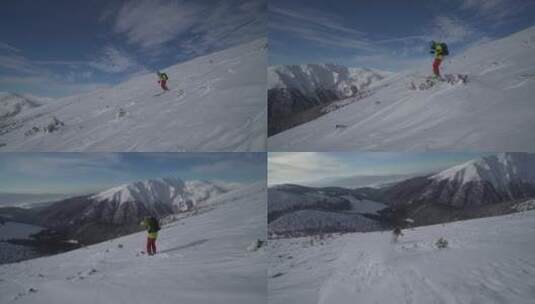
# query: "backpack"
[[445, 50], [154, 225], [443, 45]]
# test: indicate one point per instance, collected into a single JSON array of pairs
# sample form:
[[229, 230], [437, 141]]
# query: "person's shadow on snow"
[[192, 244]]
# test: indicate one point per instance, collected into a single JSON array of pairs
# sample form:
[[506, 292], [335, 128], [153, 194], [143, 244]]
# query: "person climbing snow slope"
[[440, 50], [396, 233], [162, 80], [153, 226]]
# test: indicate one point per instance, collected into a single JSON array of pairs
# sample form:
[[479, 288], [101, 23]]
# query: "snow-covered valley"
[[216, 103], [202, 258], [493, 111], [487, 260]]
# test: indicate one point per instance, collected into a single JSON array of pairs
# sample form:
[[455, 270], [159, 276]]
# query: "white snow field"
[[488, 260], [493, 111], [215, 103], [202, 259]]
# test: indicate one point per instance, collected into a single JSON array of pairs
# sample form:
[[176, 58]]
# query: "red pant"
[[151, 246], [164, 85], [436, 65]]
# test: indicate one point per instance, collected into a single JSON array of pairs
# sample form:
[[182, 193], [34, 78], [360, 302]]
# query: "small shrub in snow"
[[255, 245], [120, 246], [441, 243], [53, 125], [121, 113]]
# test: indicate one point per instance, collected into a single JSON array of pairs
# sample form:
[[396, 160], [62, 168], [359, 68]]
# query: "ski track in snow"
[[213, 99], [493, 112], [488, 260], [201, 259]]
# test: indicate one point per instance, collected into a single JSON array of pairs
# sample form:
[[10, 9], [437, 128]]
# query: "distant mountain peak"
[[170, 191], [499, 170]]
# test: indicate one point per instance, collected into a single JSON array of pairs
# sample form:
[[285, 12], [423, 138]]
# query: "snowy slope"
[[201, 259], [222, 108], [488, 261], [493, 112]]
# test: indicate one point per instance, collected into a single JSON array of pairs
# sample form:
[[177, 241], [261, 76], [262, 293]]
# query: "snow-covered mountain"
[[487, 261], [11, 104], [309, 78], [216, 102], [297, 210], [129, 203], [493, 111], [292, 89], [201, 259], [487, 180], [180, 195]]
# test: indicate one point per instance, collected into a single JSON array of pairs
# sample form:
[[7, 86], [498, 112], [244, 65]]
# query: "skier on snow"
[[396, 233], [153, 226], [440, 50], [162, 80]]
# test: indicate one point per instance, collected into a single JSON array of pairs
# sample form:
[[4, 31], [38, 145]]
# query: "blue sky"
[[309, 167], [80, 173], [389, 35], [63, 47]]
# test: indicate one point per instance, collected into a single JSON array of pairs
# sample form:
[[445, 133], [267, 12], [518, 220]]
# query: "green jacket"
[[163, 76], [438, 51], [151, 229]]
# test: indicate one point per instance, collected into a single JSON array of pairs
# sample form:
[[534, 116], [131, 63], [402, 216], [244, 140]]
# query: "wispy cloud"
[[225, 24], [303, 167], [42, 168], [160, 26], [7, 47], [49, 85], [318, 27], [151, 23], [112, 60], [495, 10], [73, 76], [451, 29]]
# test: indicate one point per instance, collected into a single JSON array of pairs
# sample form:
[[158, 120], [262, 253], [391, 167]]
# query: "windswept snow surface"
[[201, 259], [488, 260], [494, 111], [215, 103]]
